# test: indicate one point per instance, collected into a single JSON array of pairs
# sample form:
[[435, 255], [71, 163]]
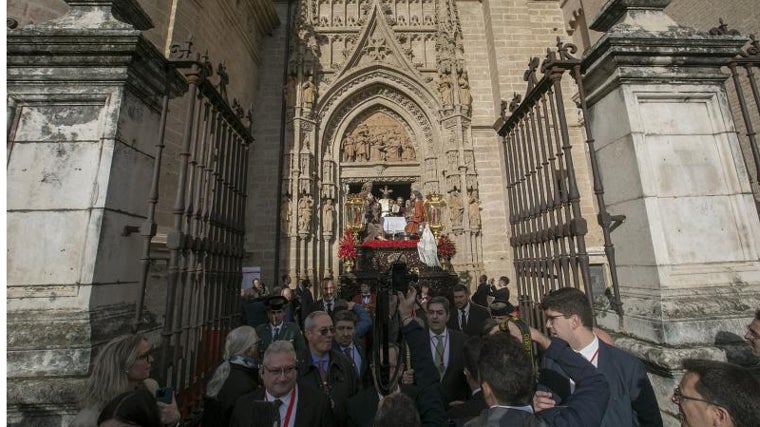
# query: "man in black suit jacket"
[[446, 347], [280, 398], [468, 317], [328, 303], [348, 343], [427, 392], [305, 300], [470, 409]]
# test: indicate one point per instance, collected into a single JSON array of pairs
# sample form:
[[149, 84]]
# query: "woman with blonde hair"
[[237, 375], [123, 364]]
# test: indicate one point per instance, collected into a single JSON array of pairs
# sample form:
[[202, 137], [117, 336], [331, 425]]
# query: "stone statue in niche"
[[456, 208], [474, 210], [465, 97], [304, 213], [445, 90], [309, 93], [328, 217]]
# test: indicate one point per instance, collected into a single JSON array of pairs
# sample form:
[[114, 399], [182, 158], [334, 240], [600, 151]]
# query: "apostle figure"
[[418, 216]]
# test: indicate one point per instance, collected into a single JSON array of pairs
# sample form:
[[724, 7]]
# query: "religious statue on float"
[[418, 218]]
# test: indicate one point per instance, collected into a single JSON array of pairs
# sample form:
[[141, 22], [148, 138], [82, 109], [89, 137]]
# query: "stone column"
[[87, 89], [670, 161]]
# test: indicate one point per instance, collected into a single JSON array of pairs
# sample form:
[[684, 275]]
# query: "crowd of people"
[[450, 362]]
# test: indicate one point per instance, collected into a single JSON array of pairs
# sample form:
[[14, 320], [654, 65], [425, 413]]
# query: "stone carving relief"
[[456, 208], [473, 210], [390, 93], [309, 93], [378, 138], [328, 217], [285, 213], [304, 214]]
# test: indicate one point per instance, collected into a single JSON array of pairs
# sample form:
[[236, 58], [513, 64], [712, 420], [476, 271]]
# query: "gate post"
[[87, 89], [688, 252]]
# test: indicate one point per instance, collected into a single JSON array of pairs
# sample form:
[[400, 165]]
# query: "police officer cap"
[[501, 308], [276, 302]]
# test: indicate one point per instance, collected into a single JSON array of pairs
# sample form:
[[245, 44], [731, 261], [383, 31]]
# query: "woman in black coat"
[[237, 375]]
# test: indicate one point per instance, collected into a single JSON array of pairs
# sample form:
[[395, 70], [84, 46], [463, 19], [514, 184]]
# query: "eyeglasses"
[[325, 331], [285, 370], [753, 333], [556, 316], [679, 397]]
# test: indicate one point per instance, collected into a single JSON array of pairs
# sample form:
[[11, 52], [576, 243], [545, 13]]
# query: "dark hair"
[[730, 386], [757, 315], [488, 324], [506, 368], [504, 279], [345, 315], [483, 278], [471, 353], [306, 283], [569, 301], [460, 288], [397, 410], [440, 300], [136, 407]]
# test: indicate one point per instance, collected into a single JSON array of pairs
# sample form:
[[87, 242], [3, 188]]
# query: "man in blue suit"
[[632, 400]]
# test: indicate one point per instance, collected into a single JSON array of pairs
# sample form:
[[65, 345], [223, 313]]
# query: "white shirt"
[[588, 352], [284, 407], [434, 341]]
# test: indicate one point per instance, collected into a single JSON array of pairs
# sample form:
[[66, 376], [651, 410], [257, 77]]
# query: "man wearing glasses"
[[281, 400], [632, 401], [327, 369], [717, 394]]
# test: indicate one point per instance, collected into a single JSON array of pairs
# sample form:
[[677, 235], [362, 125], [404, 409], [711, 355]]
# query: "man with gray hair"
[[281, 400], [326, 369]]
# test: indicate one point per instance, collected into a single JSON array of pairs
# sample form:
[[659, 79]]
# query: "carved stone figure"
[[362, 143], [349, 149], [465, 97], [456, 208], [304, 214], [309, 93], [474, 210], [376, 148], [393, 148], [445, 89], [407, 150], [328, 217]]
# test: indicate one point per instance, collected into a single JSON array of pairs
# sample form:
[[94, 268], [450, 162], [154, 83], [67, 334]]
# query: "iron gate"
[[206, 239], [547, 227]]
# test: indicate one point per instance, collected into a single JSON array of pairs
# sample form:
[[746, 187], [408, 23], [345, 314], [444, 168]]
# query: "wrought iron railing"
[[206, 239], [547, 226]]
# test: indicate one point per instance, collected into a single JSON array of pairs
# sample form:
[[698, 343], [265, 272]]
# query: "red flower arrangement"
[[347, 246], [446, 248]]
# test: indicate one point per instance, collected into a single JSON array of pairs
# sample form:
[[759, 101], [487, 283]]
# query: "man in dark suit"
[[468, 317], [446, 347], [328, 303], [281, 399], [305, 300], [483, 291], [253, 307], [325, 368], [426, 394], [277, 329], [347, 331], [632, 401], [470, 409]]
